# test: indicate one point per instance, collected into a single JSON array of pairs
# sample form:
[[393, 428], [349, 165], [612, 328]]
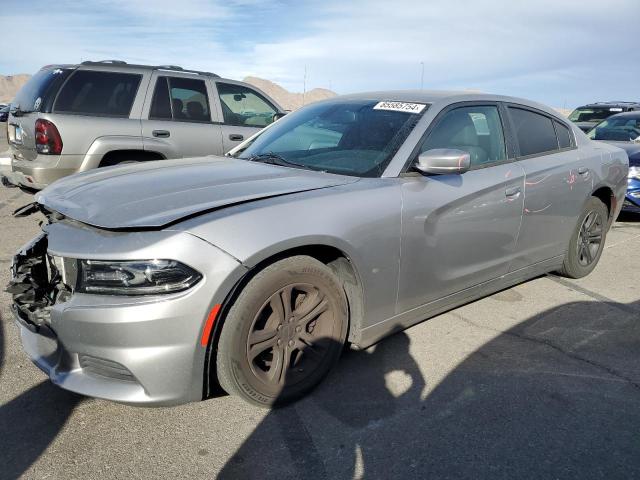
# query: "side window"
[[534, 132], [161, 104], [189, 100], [244, 107], [475, 129], [564, 135], [93, 92]]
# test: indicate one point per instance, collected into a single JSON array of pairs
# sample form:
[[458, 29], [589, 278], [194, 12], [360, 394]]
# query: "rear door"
[[178, 118], [244, 111], [557, 184], [460, 230]]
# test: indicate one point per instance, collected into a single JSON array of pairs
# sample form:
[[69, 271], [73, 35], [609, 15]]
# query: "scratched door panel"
[[554, 197]]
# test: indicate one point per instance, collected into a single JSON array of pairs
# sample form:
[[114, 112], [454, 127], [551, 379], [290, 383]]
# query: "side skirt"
[[377, 332]]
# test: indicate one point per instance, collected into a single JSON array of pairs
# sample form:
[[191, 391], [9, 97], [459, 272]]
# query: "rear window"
[[535, 132], [32, 94], [98, 93], [595, 114]]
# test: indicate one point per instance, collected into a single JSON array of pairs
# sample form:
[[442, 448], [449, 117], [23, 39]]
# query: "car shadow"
[[30, 422], [554, 397]]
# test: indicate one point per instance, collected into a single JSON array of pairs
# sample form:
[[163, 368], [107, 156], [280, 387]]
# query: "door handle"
[[583, 170], [161, 133], [512, 192], [236, 137]]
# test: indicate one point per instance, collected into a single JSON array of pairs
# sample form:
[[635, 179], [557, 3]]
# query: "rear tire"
[[587, 242], [284, 332]]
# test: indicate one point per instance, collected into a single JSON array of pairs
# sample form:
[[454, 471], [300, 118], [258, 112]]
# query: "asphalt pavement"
[[538, 381]]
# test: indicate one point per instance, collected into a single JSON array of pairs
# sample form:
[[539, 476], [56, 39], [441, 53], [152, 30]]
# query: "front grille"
[[105, 368], [36, 284]]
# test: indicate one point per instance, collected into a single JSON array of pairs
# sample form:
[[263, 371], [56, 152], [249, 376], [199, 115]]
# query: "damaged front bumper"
[[140, 350], [36, 285]]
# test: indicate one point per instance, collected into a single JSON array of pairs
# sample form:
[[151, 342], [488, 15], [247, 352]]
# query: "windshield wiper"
[[273, 158]]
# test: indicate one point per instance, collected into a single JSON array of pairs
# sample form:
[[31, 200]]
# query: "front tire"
[[284, 332], [587, 242]]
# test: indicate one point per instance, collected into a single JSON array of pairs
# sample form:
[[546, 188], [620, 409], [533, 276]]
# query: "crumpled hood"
[[156, 194]]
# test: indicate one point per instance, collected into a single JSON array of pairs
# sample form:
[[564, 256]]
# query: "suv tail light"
[[48, 139]]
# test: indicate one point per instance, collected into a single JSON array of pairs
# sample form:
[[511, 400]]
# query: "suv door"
[[178, 120], [244, 112], [558, 183], [460, 230]]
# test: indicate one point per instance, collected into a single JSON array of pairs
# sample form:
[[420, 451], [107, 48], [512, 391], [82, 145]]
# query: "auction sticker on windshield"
[[400, 107]]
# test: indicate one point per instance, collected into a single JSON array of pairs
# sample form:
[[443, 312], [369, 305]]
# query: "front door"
[[244, 111], [460, 230], [178, 120]]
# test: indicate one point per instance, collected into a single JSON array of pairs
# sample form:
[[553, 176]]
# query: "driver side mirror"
[[278, 115], [442, 161]]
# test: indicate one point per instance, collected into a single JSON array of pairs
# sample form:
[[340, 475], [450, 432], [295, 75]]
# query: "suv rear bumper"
[[43, 170]]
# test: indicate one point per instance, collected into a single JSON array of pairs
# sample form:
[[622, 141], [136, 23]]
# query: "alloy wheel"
[[590, 238], [288, 337]]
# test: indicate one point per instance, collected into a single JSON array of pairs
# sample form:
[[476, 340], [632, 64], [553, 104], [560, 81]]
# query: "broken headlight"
[[138, 277]]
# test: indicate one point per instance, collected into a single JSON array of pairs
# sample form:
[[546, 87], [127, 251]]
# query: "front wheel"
[[283, 333], [587, 241]]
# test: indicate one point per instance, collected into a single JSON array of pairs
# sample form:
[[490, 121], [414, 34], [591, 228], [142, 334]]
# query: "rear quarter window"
[[98, 93]]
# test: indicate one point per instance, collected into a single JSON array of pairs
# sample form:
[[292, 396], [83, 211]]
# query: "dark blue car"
[[623, 130], [4, 113]]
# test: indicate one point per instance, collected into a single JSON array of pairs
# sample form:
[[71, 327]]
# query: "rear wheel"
[[284, 332], [587, 241]]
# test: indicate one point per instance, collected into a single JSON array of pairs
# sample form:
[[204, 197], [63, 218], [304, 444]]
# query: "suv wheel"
[[587, 241], [284, 332]]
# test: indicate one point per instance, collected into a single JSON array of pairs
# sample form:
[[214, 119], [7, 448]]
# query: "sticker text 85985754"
[[400, 106]]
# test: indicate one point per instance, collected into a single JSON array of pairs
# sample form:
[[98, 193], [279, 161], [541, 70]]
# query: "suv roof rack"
[[121, 63], [615, 103]]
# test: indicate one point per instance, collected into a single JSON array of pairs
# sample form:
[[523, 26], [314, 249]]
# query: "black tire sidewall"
[[234, 371], [572, 267]]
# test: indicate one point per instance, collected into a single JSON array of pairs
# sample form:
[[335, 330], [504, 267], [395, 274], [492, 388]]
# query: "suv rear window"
[[38, 87], [98, 93]]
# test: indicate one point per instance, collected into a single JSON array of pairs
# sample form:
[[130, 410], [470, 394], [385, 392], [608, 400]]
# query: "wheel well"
[[117, 156], [605, 194], [334, 258]]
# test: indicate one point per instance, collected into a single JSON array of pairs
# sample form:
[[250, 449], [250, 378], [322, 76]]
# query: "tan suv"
[[72, 118]]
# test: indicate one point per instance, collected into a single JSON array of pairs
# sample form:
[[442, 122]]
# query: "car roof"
[[634, 114], [444, 97]]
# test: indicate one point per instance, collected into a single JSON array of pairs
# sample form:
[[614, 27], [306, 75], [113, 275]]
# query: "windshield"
[[622, 129], [593, 114], [349, 137]]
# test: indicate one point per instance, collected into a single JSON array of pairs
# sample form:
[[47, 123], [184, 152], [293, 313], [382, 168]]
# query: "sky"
[[559, 52]]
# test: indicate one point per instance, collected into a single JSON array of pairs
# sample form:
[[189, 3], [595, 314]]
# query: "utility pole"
[[304, 85], [422, 76]]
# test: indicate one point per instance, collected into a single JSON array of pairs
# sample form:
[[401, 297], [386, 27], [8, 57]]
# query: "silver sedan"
[[339, 224]]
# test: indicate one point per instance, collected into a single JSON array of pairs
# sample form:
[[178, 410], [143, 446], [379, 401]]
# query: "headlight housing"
[[138, 277], [634, 172]]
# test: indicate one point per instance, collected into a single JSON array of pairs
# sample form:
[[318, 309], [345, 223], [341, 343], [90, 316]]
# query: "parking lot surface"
[[538, 381]]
